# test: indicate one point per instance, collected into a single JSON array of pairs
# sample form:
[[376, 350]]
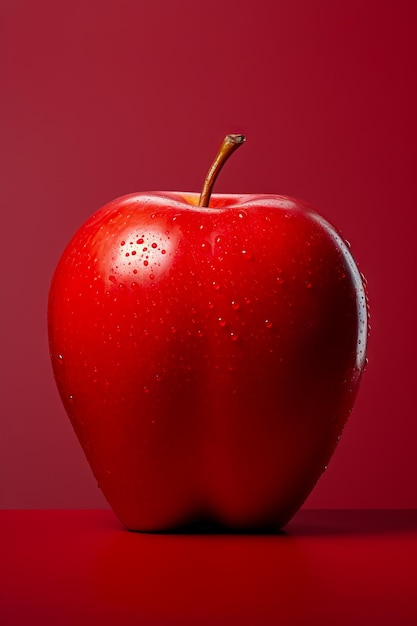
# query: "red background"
[[103, 98]]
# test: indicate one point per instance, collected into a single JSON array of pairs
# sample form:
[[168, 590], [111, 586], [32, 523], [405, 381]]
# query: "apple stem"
[[229, 145]]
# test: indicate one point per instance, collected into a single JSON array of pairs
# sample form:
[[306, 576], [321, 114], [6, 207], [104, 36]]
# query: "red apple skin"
[[208, 358]]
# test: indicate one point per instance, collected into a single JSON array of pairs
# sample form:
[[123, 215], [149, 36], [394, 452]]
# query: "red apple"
[[208, 353]]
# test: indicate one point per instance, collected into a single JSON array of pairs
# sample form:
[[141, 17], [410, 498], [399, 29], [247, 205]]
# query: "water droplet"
[[127, 254], [268, 323], [122, 243], [216, 286], [205, 246], [200, 333], [146, 390], [348, 243], [163, 251], [71, 399], [210, 305], [60, 359], [235, 305], [146, 263], [234, 336], [152, 276], [222, 322], [247, 255], [112, 279], [139, 241], [154, 245], [308, 284]]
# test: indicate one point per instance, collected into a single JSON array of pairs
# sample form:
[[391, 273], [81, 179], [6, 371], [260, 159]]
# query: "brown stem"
[[229, 145]]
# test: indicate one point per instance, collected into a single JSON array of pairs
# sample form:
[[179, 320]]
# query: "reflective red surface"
[[329, 567]]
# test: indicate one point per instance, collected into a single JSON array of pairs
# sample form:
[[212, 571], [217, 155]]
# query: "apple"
[[208, 350]]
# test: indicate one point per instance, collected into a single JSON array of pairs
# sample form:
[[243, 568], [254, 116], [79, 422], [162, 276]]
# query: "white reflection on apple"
[[145, 256], [361, 300]]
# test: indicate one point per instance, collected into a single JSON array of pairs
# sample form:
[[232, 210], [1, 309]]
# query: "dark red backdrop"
[[104, 98]]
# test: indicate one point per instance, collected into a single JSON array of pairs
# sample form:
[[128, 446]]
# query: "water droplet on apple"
[[200, 333], [163, 251], [268, 324], [216, 286], [139, 241], [122, 243], [205, 246], [247, 255], [235, 305], [234, 336], [60, 359], [348, 244], [71, 399], [133, 252], [308, 284], [222, 322], [146, 263], [151, 276], [112, 279], [154, 245]]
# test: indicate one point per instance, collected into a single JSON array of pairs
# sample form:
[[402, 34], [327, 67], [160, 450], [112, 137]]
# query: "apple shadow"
[[314, 522]]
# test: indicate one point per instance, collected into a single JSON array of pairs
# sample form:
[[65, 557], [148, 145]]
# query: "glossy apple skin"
[[208, 358]]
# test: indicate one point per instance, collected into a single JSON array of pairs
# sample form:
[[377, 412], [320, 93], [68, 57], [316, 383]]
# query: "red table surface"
[[328, 567]]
